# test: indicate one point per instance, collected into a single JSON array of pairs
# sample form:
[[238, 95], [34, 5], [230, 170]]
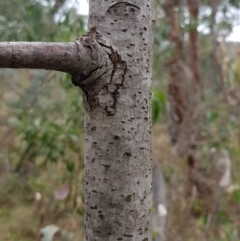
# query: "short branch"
[[93, 63], [50, 56], [81, 58]]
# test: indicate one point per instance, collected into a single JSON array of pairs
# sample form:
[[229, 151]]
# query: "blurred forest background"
[[196, 123]]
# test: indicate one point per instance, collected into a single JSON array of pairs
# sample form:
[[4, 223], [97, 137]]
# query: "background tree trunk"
[[159, 214], [193, 8], [178, 78]]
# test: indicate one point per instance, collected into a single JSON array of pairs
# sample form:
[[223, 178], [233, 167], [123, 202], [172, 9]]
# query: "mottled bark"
[[118, 126]]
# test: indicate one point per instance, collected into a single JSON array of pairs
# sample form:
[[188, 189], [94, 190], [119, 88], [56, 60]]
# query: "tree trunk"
[[193, 8], [112, 64], [159, 214], [214, 81], [184, 89], [178, 79], [118, 126]]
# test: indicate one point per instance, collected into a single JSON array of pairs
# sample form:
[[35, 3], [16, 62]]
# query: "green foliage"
[[236, 72], [37, 22], [158, 105], [236, 197], [196, 206], [234, 3], [47, 119], [44, 118]]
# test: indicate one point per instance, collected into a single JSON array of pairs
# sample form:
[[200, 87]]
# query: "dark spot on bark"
[[105, 180], [116, 138], [107, 166], [93, 128], [127, 235], [128, 198], [101, 216], [127, 154]]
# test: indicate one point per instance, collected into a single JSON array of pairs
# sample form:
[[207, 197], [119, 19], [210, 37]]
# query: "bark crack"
[[124, 9], [104, 75]]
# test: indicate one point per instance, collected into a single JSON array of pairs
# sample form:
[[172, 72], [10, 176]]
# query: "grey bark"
[[112, 64], [73, 58], [118, 131]]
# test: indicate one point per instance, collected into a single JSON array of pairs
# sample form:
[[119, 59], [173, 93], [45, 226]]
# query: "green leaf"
[[223, 217], [70, 166], [212, 116], [236, 196], [158, 104]]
